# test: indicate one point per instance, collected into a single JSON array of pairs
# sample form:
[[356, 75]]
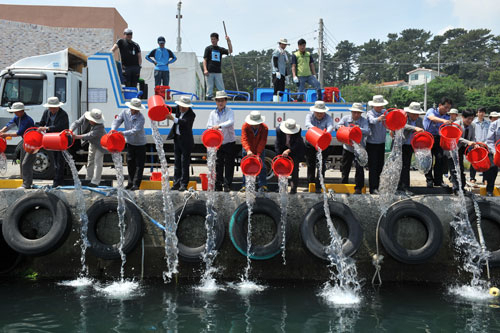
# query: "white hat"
[[289, 126], [378, 100], [357, 107], [127, 31], [185, 101], [17, 106], [135, 104], [494, 114], [453, 111], [283, 41], [319, 106], [94, 115], [414, 108], [255, 118], [220, 94], [53, 102]]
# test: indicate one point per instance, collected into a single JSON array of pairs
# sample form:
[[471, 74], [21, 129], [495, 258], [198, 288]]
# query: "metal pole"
[[231, 59], [179, 16], [425, 94], [439, 60], [320, 53]]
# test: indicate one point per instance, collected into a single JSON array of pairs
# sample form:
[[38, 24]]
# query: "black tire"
[[338, 211], [197, 208], [419, 212], [239, 237], [133, 229], [55, 236], [9, 258], [489, 211]]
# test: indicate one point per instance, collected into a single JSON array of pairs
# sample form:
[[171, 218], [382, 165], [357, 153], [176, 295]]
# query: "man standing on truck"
[[162, 57], [130, 55], [54, 120], [222, 118], [212, 60], [279, 63], [303, 70], [23, 122], [135, 136], [92, 129]]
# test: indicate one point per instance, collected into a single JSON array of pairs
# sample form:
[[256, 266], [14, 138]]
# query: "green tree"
[[402, 97], [447, 86], [371, 55], [345, 58], [360, 93]]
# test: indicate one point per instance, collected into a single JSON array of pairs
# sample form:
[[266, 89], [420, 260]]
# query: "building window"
[[60, 89], [414, 77], [28, 91]]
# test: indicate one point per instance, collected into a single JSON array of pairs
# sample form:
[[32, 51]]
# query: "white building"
[[418, 76]]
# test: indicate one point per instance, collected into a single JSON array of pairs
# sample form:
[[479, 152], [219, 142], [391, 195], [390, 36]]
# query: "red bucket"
[[422, 140], [158, 110], [318, 138], [3, 145], [282, 166], [478, 157], [250, 165], [349, 134], [395, 119], [114, 141], [496, 158], [58, 141], [160, 90], [155, 176], [32, 140], [204, 181], [449, 135], [212, 138]]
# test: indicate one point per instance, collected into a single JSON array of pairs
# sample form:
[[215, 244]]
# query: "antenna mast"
[[178, 17]]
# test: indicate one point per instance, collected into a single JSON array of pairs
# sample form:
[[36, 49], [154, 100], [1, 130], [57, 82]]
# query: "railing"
[[234, 94], [178, 92], [290, 94]]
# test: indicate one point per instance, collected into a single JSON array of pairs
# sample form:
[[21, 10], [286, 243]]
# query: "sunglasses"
[[130, 34]]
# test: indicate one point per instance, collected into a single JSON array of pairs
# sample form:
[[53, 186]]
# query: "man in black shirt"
[[130, 54], [212, 63]]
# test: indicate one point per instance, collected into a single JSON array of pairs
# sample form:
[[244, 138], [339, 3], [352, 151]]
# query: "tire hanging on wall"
[[426, 216], [489, 211], [338, 211], [52, 240], [238, 235], [133, 228], [197, 208]]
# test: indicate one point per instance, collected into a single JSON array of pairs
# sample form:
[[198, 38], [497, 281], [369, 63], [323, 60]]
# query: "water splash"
[[117, 161], [470, 292], [423, 160], [171, 251], [464, 240], [82, 213], [80, 282], [283, 190], [247, 287], [3, 164], [343, 272], [250, 200], [120, 289], [208, 283], [334, 295], [360, 154], [389, 178]]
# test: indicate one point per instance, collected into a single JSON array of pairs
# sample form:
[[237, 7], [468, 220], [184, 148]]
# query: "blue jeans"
[[311, 79], [262, 177], [162, 76], [214, 78]]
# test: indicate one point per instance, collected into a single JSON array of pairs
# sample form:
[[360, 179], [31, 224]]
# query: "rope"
[[191, 193], [143, 211], [481, 237]]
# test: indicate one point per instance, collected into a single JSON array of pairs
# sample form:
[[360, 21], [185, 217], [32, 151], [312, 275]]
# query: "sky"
[[258, 25]]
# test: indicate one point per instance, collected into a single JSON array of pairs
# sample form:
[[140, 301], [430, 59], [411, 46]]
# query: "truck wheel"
[[43, 168]]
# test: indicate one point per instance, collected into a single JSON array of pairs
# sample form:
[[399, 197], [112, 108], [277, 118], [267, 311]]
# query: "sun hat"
[[414, 108], [127, 31], [17, 106], [220, 94], [494, 114], [53, 102], [357, 107], [453, 111], [254, 118], [378, 100], [185, 101], [289, 126], [319, 106], [135, 104], [94, 115], [283, 41]]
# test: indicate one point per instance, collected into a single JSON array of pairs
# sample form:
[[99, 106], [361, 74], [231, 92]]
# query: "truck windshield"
[[28, 91]]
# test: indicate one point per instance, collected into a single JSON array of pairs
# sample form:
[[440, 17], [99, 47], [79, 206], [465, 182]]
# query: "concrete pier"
[[301, 264]]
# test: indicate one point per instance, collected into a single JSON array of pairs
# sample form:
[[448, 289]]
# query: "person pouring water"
[[289, 143], [253, 141]]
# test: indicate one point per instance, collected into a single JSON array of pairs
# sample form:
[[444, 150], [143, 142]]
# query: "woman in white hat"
[[414, 123], [55, 119], [348, 156], [182, 134], [318, 117], [134, 133], [93, 123], [253, 141], [375, 143], [289, 142], [279, 63]]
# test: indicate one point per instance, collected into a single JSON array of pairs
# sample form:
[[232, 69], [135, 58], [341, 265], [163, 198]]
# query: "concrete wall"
[[301, 265]]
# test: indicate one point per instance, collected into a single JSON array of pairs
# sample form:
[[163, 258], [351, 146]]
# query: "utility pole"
[[320, 53], [439, 58], [178, 17], [425, 95]]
